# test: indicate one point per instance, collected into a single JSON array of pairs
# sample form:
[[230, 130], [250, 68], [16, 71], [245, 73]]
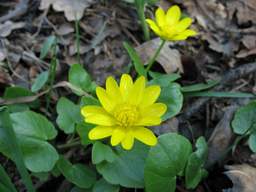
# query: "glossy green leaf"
[[79, 174], [47, 45], [199, 86], [40, 81], [138, 64], [165, 161], [103, 186], [68, 115], [32, 130], [171, 95], [128, 168], [102, 152], [5, 182], [244, 118], [9, 144], [85, 100], [252, 141], [83, 129], [195, 172], [162, 80], [79, 77], [219, 94]]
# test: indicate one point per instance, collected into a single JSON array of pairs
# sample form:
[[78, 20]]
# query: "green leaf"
[[80, 78], [83, 129], [15, 93], [85, 100], [50, 41], [8, 141], [101, 152], [78, 174], [40, 81], [195, 172], [252, 142], [68, 115], [162, 80], [128, 168], [32, 130], [199, 86], [220, 94], [244, 118], [5, 182], [173, 98], [103, 186], [165, 161], [138, 64], [31, 124]]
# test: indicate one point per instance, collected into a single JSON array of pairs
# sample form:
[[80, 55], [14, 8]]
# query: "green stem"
[[52, 73], [69, 145], [152, 60], [140, 10], [77, 40]]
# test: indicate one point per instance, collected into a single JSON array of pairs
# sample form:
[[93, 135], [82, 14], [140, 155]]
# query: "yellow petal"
[[100, 132], [117, 136], [113, 90], [126, 84], [128, 141], [153, 26], [150, 95], [97, 115], [160, 17], [183, 24], [105, 100], [145, 136], [148, 121], [184, 35], [156, 109], [173, 15], [136, 93]]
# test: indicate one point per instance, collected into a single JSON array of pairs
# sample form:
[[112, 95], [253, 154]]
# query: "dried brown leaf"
[[221, 136], [168, 58], [73, 10], [243, 177], [7, 27]]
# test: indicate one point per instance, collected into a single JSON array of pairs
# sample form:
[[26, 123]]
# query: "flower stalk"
[[153, 59]]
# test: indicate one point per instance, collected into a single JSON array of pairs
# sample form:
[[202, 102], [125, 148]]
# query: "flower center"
[[126, 115]]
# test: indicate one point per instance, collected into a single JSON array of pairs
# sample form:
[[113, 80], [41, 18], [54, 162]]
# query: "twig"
[[19, 10], [29, 99], [227, 78]]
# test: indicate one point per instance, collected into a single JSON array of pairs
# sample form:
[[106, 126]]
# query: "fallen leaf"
[[7, 27], [73, 10], [243, 177], [171, 125], [221, 137], [169, 59], [65, 29]]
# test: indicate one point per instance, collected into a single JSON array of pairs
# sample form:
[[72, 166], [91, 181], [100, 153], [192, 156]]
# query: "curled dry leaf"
[[168, 58], [73, 10], [221, 137], [7, 27], [243, 177]]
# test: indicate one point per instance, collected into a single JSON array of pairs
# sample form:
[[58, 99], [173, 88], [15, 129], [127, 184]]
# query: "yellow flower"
[[169, 26], [125, 110]]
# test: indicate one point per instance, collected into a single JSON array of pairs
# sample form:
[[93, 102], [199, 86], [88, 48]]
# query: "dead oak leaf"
[[73, 10], [243, 177]]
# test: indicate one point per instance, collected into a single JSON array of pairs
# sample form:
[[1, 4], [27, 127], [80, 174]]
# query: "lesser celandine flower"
[[168, 26], [126, 110]]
